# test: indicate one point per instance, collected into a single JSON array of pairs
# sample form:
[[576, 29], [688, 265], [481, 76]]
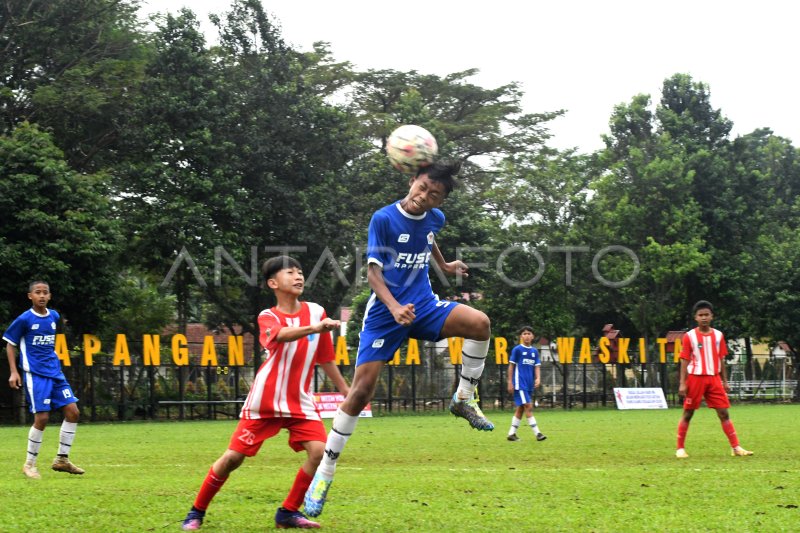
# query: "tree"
[[57, 225], [70, 66], [643, 201]]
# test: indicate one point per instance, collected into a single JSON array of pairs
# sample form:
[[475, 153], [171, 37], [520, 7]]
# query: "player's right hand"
[[404, 314], [328, 324], [14, 381]]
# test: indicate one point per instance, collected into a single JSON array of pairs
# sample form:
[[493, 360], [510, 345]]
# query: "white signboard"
[[647, 398], [328, 402]]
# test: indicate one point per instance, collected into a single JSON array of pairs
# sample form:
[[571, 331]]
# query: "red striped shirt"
[[281, 386], [704, 351]]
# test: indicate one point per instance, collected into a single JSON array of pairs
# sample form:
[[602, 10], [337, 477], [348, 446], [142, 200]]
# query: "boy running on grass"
[[295, 336], [704, 375]]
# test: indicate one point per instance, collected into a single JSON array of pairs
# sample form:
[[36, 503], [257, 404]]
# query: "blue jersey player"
[[400, 246], [33, 334], [523, 377]]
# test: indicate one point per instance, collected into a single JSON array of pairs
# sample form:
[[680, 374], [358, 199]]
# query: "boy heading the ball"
[[705, 376], [295, 336], [400, 245], [33, 333]]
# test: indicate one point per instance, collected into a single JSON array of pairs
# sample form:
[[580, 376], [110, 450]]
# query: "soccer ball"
[[410, 148]]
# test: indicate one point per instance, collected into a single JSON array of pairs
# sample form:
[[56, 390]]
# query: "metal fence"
[[118, 393]]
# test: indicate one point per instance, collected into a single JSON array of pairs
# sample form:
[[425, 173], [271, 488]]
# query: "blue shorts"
[[382, 336], [521, 397], [45, 393]]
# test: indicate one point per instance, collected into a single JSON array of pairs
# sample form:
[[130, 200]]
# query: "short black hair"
[[37, 282], [275, 264], [523, 329], [702, 304], [443, 172]]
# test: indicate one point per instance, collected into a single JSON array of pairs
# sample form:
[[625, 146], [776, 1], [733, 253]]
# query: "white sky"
[[579, 55]]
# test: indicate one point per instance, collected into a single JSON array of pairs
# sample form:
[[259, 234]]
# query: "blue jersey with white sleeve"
[[401, 243], [525, 359], [35, 336]]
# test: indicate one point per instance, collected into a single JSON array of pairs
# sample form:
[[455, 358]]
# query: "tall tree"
[[643, 202], [71, 66], [55, 224]]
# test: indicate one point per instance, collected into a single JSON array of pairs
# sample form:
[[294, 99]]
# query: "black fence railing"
[[138, 392]]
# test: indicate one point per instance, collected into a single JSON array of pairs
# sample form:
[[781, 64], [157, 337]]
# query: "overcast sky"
[[582, 56]]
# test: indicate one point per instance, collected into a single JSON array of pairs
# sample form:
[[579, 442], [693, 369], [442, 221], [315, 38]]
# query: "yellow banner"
[[206, 355]]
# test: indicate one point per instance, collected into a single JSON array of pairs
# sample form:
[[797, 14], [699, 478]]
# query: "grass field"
[[599, 470]]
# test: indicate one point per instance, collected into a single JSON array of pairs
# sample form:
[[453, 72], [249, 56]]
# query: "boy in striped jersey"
[[295, 336], [705, 376]]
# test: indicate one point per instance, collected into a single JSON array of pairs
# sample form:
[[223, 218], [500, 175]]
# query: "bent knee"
[[482, 326], [359, 397], [71, 413], [315, 455]]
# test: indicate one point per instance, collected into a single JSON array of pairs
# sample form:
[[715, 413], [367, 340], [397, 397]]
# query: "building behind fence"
[[110, 392]]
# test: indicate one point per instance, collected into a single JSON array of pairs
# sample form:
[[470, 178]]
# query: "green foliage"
[[225, 152], [56, 225], [144, 311], [70, 66]]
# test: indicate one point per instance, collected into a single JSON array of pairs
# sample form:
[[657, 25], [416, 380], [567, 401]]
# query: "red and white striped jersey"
[[280, 388], [704, 351]]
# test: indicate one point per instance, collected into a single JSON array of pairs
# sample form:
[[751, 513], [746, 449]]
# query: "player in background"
[[33, 334], [295, 336], [704, 375], [400, 244], [524, 372]]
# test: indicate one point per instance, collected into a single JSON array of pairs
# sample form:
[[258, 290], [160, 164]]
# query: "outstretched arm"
[[454, 268], [289, 334]]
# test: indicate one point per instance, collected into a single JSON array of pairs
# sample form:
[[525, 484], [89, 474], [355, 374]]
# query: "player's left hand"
[[457, 268]]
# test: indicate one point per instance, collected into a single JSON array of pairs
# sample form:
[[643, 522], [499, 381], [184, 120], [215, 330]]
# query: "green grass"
[[599, 470]]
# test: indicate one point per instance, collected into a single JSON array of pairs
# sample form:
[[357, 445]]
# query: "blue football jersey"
[[525, 359], [401, 244], [35, 335]]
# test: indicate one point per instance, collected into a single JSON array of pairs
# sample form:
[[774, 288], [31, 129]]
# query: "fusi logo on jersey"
[[44, 340], [406, 261], [403, 237]]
